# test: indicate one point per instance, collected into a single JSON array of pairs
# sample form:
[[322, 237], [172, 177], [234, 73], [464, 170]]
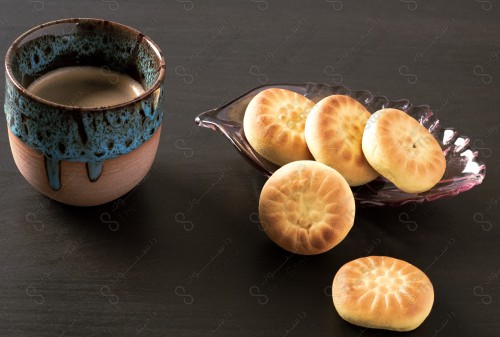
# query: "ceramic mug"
[[83, 156]]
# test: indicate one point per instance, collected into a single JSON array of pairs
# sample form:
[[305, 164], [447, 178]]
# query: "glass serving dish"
[[464, 169]]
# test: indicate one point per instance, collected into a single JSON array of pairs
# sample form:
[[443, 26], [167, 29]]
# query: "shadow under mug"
[[83, 156]]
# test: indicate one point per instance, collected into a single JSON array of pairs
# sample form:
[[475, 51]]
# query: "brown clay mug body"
[[83, 156]]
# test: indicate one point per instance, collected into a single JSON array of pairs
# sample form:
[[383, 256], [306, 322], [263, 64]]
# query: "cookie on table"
[[334, 131], [274, 125], [382, 292], [403, 151], [306, 207]]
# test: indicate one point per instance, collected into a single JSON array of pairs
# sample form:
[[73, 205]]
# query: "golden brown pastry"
[[334, 130], [274, 125], [306, 207], [403, 151], [382, 292]]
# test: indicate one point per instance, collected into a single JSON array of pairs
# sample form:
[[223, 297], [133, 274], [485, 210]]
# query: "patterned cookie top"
[[403, 151], [334, 131], [382, 292], [306, 207], [274, 125]]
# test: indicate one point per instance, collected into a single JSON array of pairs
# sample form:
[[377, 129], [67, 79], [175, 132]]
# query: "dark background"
[[124, 268]]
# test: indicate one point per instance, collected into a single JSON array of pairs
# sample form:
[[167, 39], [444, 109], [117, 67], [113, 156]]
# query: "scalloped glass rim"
[[464, 169]]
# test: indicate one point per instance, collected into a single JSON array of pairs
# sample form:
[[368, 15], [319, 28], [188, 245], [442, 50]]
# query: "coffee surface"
[[86, 87]]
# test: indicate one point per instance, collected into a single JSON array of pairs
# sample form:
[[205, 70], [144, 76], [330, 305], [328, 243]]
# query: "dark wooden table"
[[124, 268]]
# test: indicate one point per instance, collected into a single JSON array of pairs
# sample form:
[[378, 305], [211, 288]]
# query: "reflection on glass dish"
[[464, 169]]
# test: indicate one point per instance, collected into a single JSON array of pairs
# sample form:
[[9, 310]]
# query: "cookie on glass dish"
[[274, 125], [403, 151], [334, 131]]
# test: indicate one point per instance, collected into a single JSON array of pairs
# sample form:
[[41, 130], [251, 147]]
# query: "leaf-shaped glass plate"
[[464, 169]]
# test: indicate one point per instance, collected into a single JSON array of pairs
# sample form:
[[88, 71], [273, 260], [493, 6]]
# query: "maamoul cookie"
[[274, 125], [383, 293], [306, 207], [334, 130], [403, 151]]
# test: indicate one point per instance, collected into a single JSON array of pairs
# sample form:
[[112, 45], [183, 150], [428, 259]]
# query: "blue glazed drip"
[[90, 137], [53, 167], [94, 170]]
